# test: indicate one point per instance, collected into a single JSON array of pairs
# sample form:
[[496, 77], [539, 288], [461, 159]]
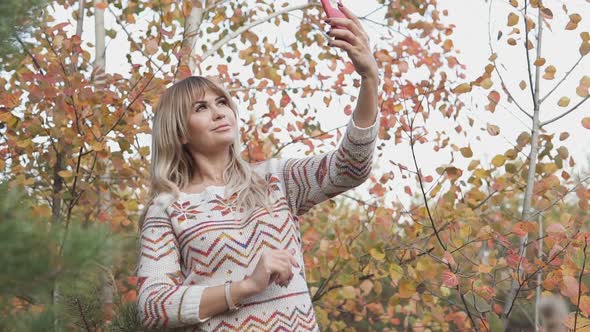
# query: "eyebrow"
[[204, 102]]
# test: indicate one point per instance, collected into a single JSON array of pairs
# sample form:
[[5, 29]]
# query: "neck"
[[210, 168]]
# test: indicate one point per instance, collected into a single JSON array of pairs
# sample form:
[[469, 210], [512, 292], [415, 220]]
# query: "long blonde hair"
[[172, 165]]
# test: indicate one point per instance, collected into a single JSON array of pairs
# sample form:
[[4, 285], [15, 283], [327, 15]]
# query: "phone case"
[[332, 11]]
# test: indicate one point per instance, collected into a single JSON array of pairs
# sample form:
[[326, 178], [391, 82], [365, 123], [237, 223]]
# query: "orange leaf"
[[102, 5], [586, 122], [512, 19]]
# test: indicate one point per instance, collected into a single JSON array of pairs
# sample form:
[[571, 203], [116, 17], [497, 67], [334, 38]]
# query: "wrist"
[[371, 76], [246, 287]]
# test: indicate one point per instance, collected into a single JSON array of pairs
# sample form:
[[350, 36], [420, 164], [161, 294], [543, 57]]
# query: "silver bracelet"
[[230, 303]]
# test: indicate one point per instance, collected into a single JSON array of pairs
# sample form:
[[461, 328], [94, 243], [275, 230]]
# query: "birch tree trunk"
[[526, 207], [108, 290]]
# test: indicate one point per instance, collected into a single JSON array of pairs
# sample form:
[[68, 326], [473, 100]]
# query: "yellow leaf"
[[487, 83], [378, 254], [564, 101], [549, 73], [512, 19], [348, 292], [550, 168], [466, 152], [462, 88], [407, 289], [465, 231], [585, 48], [395, 272], [484, 268], [586, 123], [498, 160], [65, 174]]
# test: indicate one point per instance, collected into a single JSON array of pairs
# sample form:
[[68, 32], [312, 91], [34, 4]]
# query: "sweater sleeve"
[[163, 301], [312, 180]]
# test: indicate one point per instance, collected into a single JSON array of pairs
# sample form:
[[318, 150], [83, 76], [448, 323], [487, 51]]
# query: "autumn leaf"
[[512, 19], [498, 160], [407, 289], [462, 88], [494, 98], [449, 279], [549, 73], [377, 253], [586, 122], [570, 286], [539, 62], [563, 101], [101, 5], [466, 152], [65, 174], [555, 229], [493, 130]]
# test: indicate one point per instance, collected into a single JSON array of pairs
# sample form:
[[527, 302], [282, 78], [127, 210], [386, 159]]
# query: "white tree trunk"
[[191, 29], [108, 290], [526, 208]]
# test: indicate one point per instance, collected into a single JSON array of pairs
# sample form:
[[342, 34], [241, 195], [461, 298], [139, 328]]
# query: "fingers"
[[352, 23], [284, 262]]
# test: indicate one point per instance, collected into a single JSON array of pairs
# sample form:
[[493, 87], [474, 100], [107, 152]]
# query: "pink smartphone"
[[331, 9]]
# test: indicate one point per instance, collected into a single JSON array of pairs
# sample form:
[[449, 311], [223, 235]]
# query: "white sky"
[[470, 36]]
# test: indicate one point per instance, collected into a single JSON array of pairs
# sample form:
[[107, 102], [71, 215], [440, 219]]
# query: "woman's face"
[[212, 124]]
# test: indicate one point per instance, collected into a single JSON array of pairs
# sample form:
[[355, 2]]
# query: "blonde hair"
[[172, 165]]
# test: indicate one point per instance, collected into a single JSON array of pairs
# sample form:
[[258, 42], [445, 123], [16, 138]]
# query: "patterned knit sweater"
[[197, 240]]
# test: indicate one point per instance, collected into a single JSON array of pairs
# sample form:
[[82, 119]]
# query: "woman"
[[220, 239]]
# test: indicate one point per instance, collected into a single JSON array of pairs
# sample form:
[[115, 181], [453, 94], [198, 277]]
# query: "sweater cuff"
[[361, 135], [190, 302]]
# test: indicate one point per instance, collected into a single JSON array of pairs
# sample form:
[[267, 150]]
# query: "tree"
[[446, 262]]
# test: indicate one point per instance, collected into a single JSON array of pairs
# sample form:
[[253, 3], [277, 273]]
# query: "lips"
[[222, 126]]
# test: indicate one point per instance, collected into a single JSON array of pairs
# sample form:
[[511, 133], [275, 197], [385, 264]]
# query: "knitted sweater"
[[197, 240]]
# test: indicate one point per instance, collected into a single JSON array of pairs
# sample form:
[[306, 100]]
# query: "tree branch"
[[580, 284], [244, 28], [496, 66], [566, 113], [562, 80]]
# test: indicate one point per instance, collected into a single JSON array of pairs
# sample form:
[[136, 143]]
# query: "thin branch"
[[496, 66], [247, 27], [580, 284], [566, 113], [37, 65], [528, 58], [562, 80]]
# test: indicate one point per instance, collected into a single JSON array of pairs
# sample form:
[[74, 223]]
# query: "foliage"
[[33, 263], [444, 263]]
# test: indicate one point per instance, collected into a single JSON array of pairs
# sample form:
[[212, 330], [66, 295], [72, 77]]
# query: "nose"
[[217, 113]]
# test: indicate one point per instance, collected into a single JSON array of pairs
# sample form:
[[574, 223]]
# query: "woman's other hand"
[[273, 266]]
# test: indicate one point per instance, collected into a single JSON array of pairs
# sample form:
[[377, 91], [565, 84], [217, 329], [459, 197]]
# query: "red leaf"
[[449, 279], [408, 190], [556, 230], [348, 110], [570, 288]]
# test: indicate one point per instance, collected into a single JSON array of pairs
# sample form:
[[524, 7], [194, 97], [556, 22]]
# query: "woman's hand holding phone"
[[349, 35]]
